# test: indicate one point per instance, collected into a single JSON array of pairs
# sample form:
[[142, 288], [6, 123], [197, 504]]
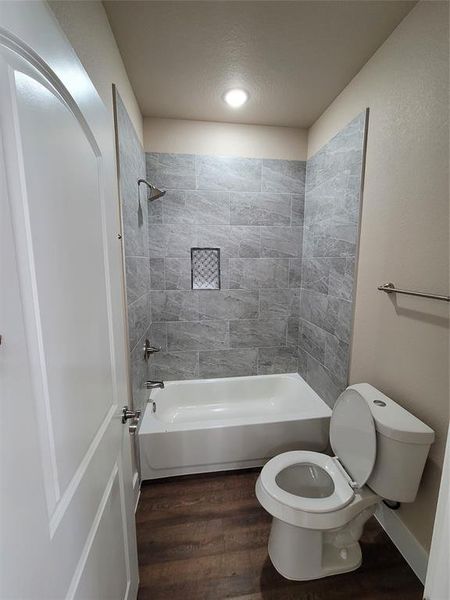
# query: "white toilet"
[[320, 503]]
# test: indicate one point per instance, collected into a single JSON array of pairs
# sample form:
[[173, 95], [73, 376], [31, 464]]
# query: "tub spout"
[[151, 385]]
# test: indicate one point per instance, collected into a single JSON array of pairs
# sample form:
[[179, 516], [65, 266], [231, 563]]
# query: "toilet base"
[[303, 554]]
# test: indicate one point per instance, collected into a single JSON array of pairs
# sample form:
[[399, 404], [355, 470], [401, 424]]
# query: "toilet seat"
[[353, 440], [341, 495]]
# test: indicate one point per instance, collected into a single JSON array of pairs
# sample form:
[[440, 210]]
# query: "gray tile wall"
[[135, 239], [288, 251], [330, 236], [253, 211]]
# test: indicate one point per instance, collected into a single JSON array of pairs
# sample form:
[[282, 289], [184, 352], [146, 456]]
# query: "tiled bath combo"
[[287, 233]]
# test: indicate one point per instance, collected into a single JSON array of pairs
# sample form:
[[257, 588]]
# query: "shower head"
[[155, 192]]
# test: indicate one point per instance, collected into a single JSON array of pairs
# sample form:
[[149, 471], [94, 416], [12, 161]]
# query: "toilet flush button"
[[379, 402]]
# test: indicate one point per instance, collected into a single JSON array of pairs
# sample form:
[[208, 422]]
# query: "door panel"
[[102, 568], [66, 255], [68, 511]]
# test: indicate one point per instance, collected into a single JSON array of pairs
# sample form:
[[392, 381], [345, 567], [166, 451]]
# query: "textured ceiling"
[[294, 58]]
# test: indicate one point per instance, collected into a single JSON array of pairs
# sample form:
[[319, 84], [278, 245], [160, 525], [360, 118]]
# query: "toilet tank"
[[403, 443]]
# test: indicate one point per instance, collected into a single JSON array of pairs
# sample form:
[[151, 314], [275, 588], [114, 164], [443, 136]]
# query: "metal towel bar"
[[390, 288]]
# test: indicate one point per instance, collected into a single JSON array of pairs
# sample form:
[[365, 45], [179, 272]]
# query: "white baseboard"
[[414, 554]]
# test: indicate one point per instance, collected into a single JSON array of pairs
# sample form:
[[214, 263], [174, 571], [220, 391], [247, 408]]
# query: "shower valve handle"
[[149, 350], [130, 414]]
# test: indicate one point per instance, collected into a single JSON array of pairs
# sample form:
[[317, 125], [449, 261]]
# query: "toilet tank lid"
[[391, 419]]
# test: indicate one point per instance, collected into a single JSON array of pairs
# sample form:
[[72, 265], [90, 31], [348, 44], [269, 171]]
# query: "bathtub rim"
[[151, 425]]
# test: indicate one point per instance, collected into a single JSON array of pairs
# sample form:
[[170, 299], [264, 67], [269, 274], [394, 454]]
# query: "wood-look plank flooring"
[[204, 537]]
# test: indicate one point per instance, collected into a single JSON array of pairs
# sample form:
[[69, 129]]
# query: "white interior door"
[[67, 511], [437, 584]]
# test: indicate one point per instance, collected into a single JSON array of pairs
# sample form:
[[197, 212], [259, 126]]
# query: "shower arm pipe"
[[159, 193]]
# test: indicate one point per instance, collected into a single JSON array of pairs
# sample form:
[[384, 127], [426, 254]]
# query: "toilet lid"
[[353, 435]]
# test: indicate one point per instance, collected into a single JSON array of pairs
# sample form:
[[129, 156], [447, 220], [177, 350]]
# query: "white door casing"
[[437, 583], [67, 520]]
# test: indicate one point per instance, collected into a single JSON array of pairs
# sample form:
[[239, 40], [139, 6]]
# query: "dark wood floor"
[[205, 537]]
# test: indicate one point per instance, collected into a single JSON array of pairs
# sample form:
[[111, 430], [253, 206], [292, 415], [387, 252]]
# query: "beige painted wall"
[[204, 137], [403, 347], [87, 27]]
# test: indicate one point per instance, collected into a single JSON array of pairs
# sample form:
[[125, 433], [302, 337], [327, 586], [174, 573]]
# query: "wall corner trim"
[[136, 490], [415, 555]]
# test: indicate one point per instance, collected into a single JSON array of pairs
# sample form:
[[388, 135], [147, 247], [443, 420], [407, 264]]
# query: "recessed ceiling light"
[[236, 98]]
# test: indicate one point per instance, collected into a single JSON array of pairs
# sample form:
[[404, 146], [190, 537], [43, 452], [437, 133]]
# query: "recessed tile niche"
[[205, 268]]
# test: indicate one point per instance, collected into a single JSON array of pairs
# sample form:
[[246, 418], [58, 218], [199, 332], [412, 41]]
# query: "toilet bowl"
[[320, 503], [317, 516]]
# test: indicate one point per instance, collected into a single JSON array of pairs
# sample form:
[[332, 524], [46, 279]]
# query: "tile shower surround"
[[288, 252], [253, 211], [330, 237], [287, 258], [287, 263], [135, 238]]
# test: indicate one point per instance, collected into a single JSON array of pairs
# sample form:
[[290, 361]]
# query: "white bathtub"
[[231, 423]]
